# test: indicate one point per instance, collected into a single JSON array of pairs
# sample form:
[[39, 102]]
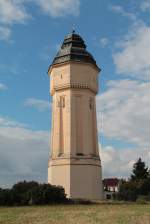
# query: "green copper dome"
[[73, 49]]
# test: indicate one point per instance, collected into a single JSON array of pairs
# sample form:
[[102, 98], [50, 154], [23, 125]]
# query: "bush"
[[47, 194], [21, 192], [32, 193], [138, 184], [134, 190], [145, 187], [80, 201], [128, 191], [143, 199], [6, 197]]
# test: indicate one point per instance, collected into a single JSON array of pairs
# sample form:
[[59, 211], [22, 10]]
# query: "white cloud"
[[41, 105], [119, 163], [58, 8], [2, 86], [124, 112], [145, 5], [132, 58], [104, 41], [118, 9], [5, 33], [6, 122], [23, 153], [12, 11]]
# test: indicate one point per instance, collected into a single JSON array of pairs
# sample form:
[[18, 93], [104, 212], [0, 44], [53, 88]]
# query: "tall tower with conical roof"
[[74, 162]]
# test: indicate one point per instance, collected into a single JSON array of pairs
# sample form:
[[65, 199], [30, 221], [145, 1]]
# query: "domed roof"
[[73, 49]]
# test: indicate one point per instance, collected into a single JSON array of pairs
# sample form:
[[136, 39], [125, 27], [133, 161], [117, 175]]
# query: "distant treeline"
[[32, 193]]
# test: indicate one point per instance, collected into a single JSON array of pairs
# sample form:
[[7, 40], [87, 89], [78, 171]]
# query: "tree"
[[145, 187], [138, 185], [140, 171]]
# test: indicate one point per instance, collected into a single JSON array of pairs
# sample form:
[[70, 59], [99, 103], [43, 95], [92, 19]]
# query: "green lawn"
[[77, 214]]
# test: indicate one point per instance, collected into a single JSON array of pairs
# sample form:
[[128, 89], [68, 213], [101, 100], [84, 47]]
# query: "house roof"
[[111, 182]]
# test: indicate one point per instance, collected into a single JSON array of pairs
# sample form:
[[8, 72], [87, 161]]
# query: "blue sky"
[[117, 33]]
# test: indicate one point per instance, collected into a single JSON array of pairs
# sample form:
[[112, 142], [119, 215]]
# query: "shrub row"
[[32, 193], [133, 190]]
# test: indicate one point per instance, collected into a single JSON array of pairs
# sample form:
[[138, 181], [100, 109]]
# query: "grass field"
[[77, 214]]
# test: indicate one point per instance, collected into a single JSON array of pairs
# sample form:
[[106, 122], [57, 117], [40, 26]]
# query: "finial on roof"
[[73, 29]]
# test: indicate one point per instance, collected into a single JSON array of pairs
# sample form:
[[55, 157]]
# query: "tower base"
[[81, 178]]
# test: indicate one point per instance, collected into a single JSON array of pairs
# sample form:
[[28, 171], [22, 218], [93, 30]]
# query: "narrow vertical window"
[[61, 105], [63, 101], [90, 103], [79, 135]]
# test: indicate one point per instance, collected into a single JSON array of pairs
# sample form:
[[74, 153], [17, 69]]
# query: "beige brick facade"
[[74, 162]]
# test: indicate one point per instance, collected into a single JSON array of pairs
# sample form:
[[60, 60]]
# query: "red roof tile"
[[111, 182]]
